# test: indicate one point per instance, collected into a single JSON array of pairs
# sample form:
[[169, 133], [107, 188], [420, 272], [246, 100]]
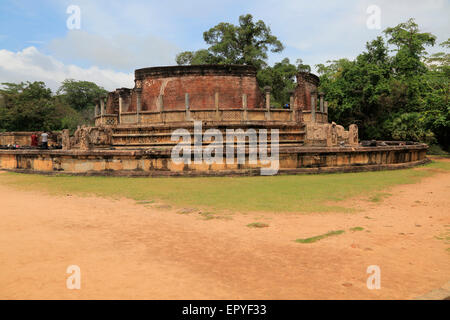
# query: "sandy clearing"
[[129, 251]]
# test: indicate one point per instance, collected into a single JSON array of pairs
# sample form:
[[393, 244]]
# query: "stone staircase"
[[141, 137]]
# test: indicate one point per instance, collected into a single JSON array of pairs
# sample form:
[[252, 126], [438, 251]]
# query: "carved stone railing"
[[212, 115], [107, 120]]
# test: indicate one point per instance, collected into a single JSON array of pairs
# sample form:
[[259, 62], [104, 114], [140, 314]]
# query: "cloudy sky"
[[116, 37]]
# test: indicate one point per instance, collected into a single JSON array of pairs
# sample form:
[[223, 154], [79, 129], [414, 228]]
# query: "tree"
[[31, 106], [27, 107], [400, 96], [281, 78], [202, 56], [410, 45], [246, 43], [80, 95]]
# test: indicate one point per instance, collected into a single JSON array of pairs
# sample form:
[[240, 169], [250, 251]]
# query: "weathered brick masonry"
[[202, 84]]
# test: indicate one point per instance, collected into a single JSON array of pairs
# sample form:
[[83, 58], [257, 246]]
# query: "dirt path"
[[127, 251]]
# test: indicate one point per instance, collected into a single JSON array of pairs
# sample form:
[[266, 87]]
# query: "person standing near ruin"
[[34, 140], [44, 137]]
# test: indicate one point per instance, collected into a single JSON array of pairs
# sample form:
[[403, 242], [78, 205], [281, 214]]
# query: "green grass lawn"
[[298, 193]]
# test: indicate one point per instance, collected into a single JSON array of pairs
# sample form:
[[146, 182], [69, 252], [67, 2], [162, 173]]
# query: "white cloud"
[[122, 52], [32, 65], [337, 29]]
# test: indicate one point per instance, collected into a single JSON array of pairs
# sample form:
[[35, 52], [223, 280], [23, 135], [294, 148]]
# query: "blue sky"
[[117, 37]]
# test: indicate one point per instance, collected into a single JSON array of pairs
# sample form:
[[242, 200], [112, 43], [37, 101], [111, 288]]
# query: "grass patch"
[[320, 237], [356, 229], [296, 193], [258, 225], [436, 164], [437, 150], [145, 202], [379, 196], [212, 215], [207, 215]]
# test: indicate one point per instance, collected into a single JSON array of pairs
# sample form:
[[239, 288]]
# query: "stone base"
[[157, 161]]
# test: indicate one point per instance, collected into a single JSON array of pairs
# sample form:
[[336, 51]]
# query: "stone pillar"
[[267, 90], [66, 140], [313, 107], [102, 108], [97, 103], [321, 95], [120, 107], [291, 104], [161, 107], [244, 106], [186, 103], [138, 104], [331, 135], [353, 135], [216, 105], [325, 107]]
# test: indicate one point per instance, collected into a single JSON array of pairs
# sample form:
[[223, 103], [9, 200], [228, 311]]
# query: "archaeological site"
[[133, 132]]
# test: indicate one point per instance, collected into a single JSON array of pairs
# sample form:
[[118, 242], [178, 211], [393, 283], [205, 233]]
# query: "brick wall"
[[201, 90], [306, 84]]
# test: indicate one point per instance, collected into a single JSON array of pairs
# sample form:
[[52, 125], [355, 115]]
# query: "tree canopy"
[[246, 43], [31, 106], [400, 96]]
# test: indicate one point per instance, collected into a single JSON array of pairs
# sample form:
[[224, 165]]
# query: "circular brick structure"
[[137, 129], [201, 87]]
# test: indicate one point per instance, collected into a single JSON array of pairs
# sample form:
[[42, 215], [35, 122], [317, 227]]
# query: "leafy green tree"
[[281, 78], [246, 43], [202, 56], [80, 95], [410, 47], [400, 96], [27, 107], [31, 106]]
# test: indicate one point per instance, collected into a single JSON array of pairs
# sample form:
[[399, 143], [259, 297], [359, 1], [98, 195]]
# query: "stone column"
[[244, 106], [96, 113], [102, 108], [186, 103], [291, 104], [120, 107], [216, 105], [267, 90], [353, 135], [325, 107], [138, 104], [66, 140], [161, 107], [321, 95], [313, 107]]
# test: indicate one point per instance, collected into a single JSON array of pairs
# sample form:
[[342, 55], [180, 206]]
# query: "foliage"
[[399, 96], [281, 78], [246, 43], [31, 106]]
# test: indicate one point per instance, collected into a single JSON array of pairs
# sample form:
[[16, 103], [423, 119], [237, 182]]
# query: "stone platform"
[[156, 161]]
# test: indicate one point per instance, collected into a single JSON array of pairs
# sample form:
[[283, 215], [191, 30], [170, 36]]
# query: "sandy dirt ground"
[[132, 251]]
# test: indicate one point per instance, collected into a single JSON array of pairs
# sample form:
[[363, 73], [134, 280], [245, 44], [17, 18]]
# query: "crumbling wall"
[[330, 134], [86, 138]]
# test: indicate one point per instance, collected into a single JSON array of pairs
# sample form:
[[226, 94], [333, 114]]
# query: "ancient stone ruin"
[[133, 132]]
